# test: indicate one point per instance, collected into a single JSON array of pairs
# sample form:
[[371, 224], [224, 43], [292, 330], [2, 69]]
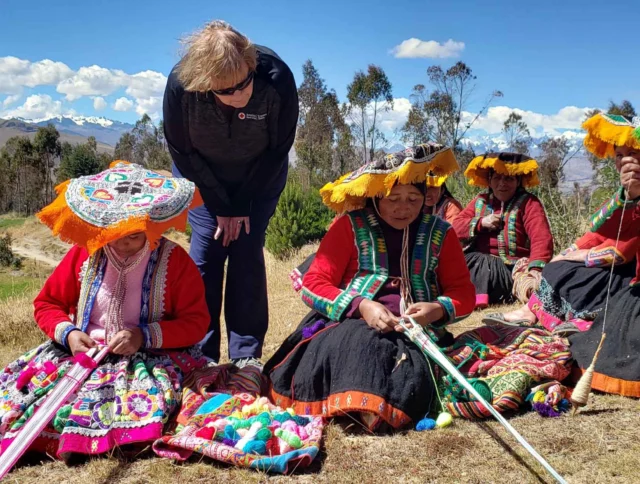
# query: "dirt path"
[[31, 253]]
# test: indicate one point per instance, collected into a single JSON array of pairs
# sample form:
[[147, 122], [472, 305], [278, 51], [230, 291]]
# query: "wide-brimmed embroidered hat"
[[511, 164], [125, 199], [377, 178], [606, 131]]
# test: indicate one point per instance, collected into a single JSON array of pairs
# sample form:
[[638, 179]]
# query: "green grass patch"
[[12, 285], [6, 223]]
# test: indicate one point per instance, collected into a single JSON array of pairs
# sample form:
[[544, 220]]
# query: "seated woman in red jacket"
[[349, 356], [505, 229], [574, 286], [121, 285], [439, 201]]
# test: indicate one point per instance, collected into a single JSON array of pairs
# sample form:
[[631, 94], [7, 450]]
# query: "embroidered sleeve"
[[608, 209], [604, 257], [62, 331], [449, 311], [152, 334], [536, 264], [321, 284], [538, 231]]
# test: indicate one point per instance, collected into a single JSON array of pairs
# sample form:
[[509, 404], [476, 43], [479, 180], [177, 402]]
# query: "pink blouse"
[[132, 300]]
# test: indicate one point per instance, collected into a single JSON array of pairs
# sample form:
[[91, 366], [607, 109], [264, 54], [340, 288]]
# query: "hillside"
[[15, 127]]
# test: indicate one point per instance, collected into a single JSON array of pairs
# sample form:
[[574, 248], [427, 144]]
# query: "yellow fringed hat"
[[512, 164], [436, 181], [606, 131], [377, 178], [125, 199]]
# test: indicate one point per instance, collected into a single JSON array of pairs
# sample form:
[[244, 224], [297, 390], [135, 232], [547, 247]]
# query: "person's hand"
[[229, 228], [377, 316], [630, 177], [491, 222], [80, 342], [126, 342], [425, 313], [573, 256]]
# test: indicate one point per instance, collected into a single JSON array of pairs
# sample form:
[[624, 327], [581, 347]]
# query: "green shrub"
[[300, 218], [7, 257]]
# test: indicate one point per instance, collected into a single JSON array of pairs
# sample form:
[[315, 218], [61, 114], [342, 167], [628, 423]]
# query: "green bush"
[[7, 257], [300, 218]]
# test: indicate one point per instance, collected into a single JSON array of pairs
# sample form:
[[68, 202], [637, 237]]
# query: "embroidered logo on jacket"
[[253, 117]]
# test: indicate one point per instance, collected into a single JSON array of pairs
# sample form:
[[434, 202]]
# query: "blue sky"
[[544, 55]]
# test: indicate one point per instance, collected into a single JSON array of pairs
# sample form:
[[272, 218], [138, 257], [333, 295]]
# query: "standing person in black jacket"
[[230, 117]]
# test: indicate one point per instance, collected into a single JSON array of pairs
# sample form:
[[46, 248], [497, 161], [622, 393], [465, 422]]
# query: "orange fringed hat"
[[92, 211], [606, 131]]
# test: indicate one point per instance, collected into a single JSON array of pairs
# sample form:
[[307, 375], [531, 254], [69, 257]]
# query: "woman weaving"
[[121, 285], [349, 355], [505, 229]]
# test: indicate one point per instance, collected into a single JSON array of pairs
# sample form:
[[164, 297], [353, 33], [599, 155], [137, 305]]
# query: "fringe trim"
[[478, 171], [603, 136], [71, 229], [345, 197], [436, 181]]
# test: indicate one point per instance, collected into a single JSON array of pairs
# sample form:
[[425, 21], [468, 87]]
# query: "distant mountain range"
[[578, 169], [104, 130], [15, 127]]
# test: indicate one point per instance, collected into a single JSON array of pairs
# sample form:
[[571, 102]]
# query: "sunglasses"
[[238, 87]]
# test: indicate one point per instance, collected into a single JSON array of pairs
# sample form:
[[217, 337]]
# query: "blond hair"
[[216, 57]]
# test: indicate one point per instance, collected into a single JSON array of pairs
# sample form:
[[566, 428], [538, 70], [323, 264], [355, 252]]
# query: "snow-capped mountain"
[[105, 130]]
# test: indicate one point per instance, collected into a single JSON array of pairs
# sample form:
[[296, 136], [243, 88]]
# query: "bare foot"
[[523, 313]]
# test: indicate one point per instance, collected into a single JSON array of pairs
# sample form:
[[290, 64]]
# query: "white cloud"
[[36, 107], [11, 100], [146, 84], [569, 117], [427, 49], [123, 104], [151, 106], [18, 73], [396, 117], [99, 103], [91, 81]]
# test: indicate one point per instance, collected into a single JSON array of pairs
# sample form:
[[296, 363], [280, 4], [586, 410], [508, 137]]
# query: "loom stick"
[[69, 384], [430, 349]]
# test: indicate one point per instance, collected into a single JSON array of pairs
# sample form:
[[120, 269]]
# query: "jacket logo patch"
[[253, 117]]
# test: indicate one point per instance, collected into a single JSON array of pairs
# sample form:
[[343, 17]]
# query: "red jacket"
[[348, 265], [608, 221], [185, 317], [526, 231]]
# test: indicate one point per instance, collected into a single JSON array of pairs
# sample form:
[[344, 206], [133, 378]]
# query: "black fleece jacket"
[[234, 156]]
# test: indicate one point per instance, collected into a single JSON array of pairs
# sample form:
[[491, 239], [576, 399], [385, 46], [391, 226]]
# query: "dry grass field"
[[601, 444]]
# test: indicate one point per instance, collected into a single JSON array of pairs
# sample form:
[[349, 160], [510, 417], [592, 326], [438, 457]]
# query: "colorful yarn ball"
[[229, 442], [283, 417], [230, 433], [290, 438], [426, 424], [300, 420], [302, 433], [289, 426], [264, 434], [444, 420], [564, 405], [255, 447]]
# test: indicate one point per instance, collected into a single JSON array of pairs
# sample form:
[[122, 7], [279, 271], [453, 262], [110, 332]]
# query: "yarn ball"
[[545, 410], [229, 442], [292, 439], [230, 433], [444, 420], [264, 434], [255, 447], [564, 405], [483, 389], [289, 426], [282, 417], [300, 420], [426, 424]]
